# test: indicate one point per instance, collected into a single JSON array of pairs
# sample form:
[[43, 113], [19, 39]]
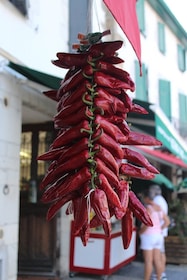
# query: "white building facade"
[[31, 33]]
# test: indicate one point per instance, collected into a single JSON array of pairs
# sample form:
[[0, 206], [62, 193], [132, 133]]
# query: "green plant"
[[178, 212]]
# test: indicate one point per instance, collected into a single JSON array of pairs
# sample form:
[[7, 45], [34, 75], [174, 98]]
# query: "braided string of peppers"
[[87, 157]]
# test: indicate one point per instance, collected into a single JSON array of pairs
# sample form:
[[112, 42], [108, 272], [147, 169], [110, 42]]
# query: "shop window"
[[141, 82], [165, 97], [21, 5], [34, 142], [181, 58], [140, 10], [161, 37]]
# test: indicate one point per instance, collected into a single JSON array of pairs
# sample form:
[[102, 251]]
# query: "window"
[[141, 14], [183, 114], [181, 58], [78, 19], [35, 140], [141, 82], [161, 37], [165, 97], [21, 5]]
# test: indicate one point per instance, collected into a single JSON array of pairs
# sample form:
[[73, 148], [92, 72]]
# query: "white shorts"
[[151, 241]]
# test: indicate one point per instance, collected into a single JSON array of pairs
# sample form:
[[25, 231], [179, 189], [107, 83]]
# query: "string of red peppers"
[[93, 138]]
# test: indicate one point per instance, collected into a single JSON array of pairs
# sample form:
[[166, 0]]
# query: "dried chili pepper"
[[110, 129], [55, 207], [112, 196], [109, 143], [139, 209], [138, 138], [110, 175], [108, 81], [137, 158], [76, 132], [127, 228], [107, 157], [123, 194], [62, 187], [131, 170], [100, 205]]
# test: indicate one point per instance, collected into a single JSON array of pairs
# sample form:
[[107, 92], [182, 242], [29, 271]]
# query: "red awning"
[[166, 158]]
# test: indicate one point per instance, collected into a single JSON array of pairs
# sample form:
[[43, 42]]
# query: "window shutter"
[[165, 97], [161, 37], [141, 82], [183, 111], [141, 14], [181, 58]]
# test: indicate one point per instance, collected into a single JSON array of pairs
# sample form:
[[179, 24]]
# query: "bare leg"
[[148, 263], [157, 263]]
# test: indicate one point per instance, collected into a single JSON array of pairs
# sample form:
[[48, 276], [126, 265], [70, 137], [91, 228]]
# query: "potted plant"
[[176, 242]]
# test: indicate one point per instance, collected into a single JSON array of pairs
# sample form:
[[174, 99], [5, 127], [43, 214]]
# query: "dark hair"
[[155, 189], [148, 193]]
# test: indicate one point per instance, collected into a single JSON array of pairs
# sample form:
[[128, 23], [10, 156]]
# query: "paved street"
[[134, 271]]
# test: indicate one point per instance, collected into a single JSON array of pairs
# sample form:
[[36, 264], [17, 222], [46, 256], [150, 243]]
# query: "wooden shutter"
[[183, 113], [165, 97], [141, 14], [141, 82], [181, 58], [161, 37]]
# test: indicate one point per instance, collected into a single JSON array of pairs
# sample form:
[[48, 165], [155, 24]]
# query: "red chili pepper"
[[108, 81], [127, 228], [75, 163], [110, 69], [80, 213], [120, 122], [113, 59], [62, 187], [118, 105], [113, 91], [123, 194], [138, 138], [55, 207], [66, 111], [52, 94], [68, 60], [84, 233], [70, 83], [131, 170], [107, 157], [109, 174], [105, 49], [52, 154], [82, 114], [73, 150], [137, 158], [109, 143], [99, 204], [139, 209], [112, 197], [136, 108], [126, 100], [74, 95], [69, 135], [110, 128]]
